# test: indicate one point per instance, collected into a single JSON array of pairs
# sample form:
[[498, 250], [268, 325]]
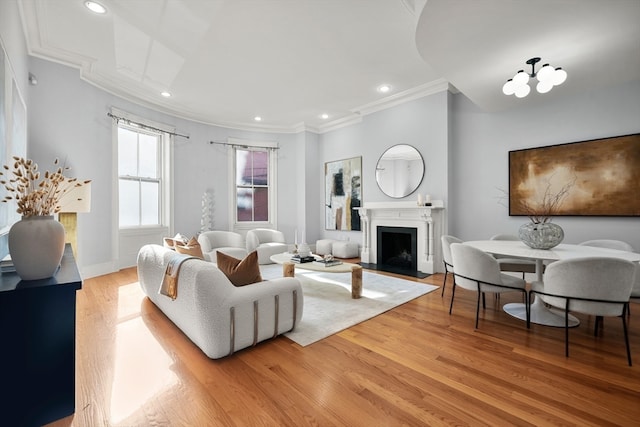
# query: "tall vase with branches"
[[36, 242], [540, 232]]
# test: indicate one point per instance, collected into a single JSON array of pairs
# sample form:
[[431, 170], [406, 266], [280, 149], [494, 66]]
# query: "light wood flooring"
[[413, 366]]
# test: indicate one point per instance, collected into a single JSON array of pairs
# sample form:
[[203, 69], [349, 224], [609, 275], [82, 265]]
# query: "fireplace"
[[397, 248], [426, 221]]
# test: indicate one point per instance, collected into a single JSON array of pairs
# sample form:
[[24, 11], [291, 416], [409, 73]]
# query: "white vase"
[[36, 245], [541, 235]]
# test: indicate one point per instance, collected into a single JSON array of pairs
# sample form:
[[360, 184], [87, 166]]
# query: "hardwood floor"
[[414, 365]]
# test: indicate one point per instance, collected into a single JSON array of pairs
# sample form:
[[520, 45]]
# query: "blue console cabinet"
[[37, 346]]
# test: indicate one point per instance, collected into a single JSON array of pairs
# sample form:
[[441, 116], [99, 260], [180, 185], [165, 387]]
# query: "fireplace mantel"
[[427, 220]]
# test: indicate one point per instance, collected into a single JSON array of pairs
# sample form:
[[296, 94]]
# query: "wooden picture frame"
[[603, 177], [343, 193]]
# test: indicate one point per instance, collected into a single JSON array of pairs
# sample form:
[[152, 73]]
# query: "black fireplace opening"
[[397, 251]]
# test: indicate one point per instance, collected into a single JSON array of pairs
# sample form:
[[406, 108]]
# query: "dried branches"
[[35, 196], [548, 206]]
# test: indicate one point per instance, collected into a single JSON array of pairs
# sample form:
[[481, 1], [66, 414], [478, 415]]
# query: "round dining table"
[[540, 313]]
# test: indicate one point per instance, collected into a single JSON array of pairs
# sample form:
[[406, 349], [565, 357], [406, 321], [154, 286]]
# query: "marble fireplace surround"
[[428, 220]]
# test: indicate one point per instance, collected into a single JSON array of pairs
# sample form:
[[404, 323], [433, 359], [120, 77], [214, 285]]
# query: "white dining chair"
[[446, 257], [476, 270], [511, 264], [609, 244], [635, 290], [597, 286]]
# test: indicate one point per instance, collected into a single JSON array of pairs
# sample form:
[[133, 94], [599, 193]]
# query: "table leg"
[[288, 269], [356, 281]]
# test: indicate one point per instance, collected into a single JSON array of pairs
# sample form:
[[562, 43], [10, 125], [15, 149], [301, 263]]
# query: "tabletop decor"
[[540, 232], [36, 242]]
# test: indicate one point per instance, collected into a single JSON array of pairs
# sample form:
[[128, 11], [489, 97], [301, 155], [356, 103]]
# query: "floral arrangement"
[[33, 195]]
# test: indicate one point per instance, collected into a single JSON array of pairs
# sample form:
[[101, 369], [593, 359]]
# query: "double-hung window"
[[253, 195], [140, 177]]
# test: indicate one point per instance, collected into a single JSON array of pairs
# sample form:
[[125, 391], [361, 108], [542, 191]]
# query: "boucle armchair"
[[217, 316], [266, 242], [224, 241]]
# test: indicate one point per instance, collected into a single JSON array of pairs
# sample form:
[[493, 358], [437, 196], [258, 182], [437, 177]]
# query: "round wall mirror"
[[399, 171]]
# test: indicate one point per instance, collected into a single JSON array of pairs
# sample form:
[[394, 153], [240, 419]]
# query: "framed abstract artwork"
[[343, 193], [600, 177]]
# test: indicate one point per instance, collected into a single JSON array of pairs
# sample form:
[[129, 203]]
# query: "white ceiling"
[[289, 61]]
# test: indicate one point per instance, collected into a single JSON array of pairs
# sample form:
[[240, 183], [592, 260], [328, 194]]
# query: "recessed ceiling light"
[[324, 116], [384, 88], [166, 94], [257, 118], [95, 7]]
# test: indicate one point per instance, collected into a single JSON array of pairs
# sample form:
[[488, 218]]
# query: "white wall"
[[68, 119], [421, 123], [481, 142], [12, 39]]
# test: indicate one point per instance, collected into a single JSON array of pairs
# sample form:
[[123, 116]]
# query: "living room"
[[464, 147]]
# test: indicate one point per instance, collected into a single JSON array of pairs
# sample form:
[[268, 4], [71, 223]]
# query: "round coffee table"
[[289, 267]]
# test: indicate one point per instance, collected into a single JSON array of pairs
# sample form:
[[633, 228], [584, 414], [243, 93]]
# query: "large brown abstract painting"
[[343, 193], [602, 177]]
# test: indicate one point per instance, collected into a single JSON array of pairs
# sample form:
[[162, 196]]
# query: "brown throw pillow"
[[191, 248], [240, 272]]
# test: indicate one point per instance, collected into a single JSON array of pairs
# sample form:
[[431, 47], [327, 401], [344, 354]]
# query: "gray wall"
[[480, 146], [68, 119], [421, 123]]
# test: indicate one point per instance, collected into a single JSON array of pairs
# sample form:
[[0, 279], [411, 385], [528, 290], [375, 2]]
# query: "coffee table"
[[289, 267]]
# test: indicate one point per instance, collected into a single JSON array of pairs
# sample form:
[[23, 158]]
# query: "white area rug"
[[329, 308]]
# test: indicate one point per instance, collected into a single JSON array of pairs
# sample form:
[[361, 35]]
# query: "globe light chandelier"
[[547, 76]]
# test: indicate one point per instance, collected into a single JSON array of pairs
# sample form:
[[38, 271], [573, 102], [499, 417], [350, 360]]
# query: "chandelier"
[[547, 76]]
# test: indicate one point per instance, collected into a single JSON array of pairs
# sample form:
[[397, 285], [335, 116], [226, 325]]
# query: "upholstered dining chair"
[[446, 257], [635, 290], [597, 286], [510, 264], [619, 245], [609, 244], [478, 271]]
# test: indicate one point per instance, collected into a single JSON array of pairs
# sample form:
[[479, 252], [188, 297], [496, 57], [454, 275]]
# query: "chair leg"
[[478, 307], [566, 332], [444, 282], [453, 294], [599, 325], [484, 301], [626, 335]]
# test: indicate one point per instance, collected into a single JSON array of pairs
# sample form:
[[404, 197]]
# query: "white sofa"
[[228, 242], [267, 242], [216, 315]]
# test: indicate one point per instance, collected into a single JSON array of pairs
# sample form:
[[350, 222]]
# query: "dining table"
[[540, 313]]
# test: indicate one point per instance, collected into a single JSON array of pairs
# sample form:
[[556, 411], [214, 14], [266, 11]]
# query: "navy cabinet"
[[37, 346]]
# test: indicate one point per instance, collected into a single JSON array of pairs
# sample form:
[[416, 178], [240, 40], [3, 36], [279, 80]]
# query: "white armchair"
[[266, 242], [595, 286], [227, 242]]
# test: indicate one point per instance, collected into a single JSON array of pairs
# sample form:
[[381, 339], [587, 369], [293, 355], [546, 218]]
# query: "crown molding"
[[417, 92]]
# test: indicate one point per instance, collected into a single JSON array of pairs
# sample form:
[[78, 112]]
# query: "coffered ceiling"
[[291, 61]]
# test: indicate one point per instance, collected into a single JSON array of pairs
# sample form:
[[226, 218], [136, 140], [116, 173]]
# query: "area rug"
[[329, 308]]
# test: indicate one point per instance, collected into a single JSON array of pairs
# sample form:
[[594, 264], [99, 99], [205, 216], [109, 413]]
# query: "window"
[[253, 167], [252, 184], [140, 176]]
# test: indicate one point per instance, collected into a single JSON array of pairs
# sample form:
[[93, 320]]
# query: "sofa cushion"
[[192, 247], [240, 271]]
